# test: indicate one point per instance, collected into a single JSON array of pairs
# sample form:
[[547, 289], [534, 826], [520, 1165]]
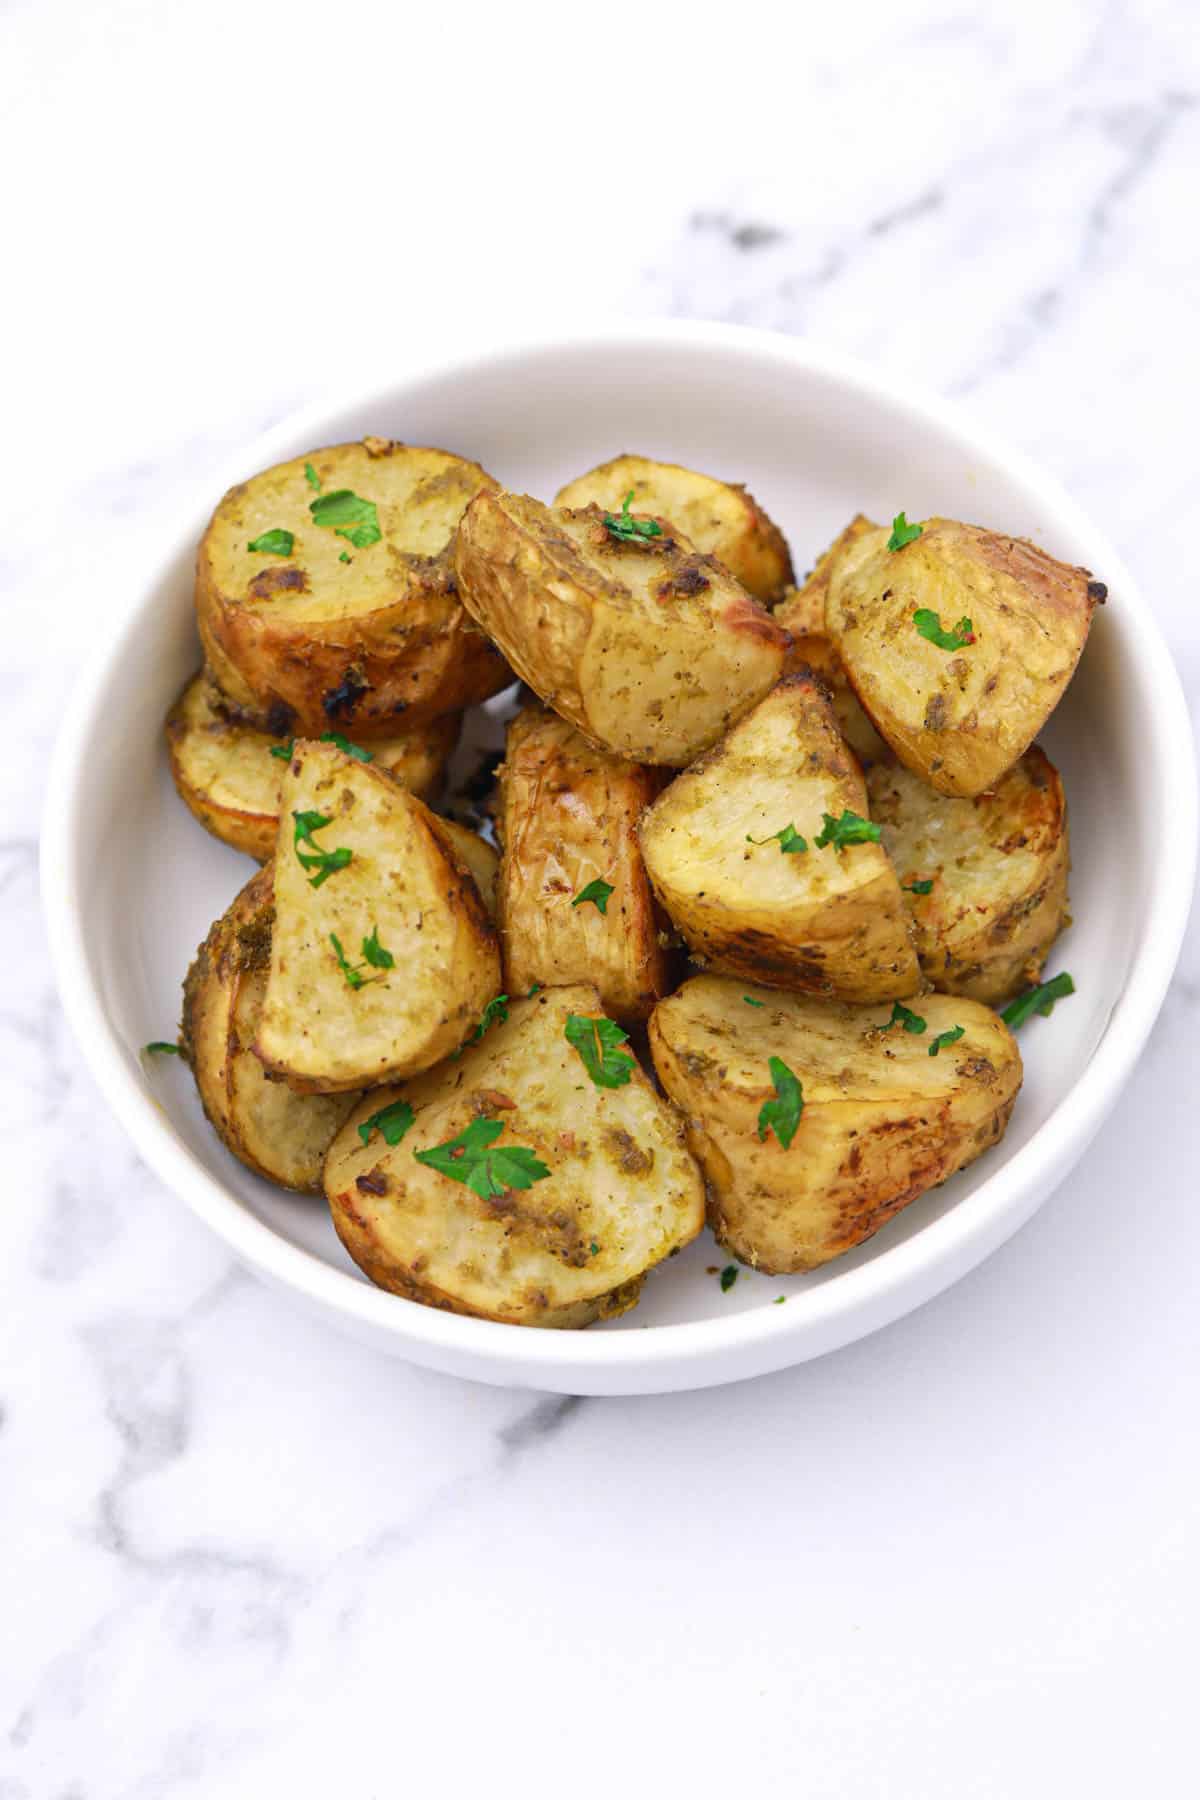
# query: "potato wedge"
[[958, 716], [333, 631], [362, 861], [621, 1192], [229, 775], [802, 609], [569, 816], [801, 612], [823, 921], [998, 865], [276, 1133], [646, 646], [719, 517], [480, 859], [882, 1118]]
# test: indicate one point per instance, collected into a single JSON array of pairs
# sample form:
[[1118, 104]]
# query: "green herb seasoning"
[[1037, 1000], [347, 516], [911, 1021], [781, 1115], [903, 533], [729, 1275], [851, 828], [598, 1044], [750, 1001], [929, 625], [273, 543], [160, 1048], [284, 751], [312, 478], [789, 840], [919, 887], [374, 952], [474, 1159], [944, 1039], [597, 892], [392, 1121], [326, 862], [349, 749], [494, 1013], [625, 528]]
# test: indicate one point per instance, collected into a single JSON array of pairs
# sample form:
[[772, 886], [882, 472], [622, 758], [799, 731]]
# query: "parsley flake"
[[597, 892], [159, 1048], [348, 749], [284, 751], [945, 1038], [903, 533], [489, 1170], [598, 1043], [789, 840], [781, 1115], [625, 528], [929, 625], [851, 828], [1040, 999], [374, 952], [752, 1002], [393, 1121], [273, 543], [912, 1022], [494, 1013], [326, 862], [347, 516], [779, 1299], [729, 1275], [352, 971], [312, 478], [918, 887]]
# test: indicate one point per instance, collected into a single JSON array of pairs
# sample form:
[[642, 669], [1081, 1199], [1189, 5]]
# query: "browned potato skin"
[[220, 1002], [227, 777], [623, 1191], [650, 650], [569, 814], [882, 1121], [474, 854], [999, 866], [824, 922], [307, 644], [719, 517], [802, 613], [959, 719], [802, 609]]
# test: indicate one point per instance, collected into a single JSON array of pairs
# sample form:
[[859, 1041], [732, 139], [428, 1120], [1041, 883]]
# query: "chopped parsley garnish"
[[781, 1115], [349, 749], [159, 1048], [326, 862], [351, 971], [849, 829], [598, 1042], [929, 625], [944, 1039], [779, 1299], [1040, 999], [789, 840], [284, 751], [374, 952], [494, 1013], [911, 1021], [273, 543], [487, 1171], [625, 528], [393, 1121], [597, 892], [312, 478], [535, 989], [903, 533], [918, 887], [752, 1002], [595, 1249], [345, 557], [348, 516], [729, 1275]]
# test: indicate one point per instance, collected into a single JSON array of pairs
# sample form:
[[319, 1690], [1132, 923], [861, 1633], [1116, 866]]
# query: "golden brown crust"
[[568, 816], [308, 642]]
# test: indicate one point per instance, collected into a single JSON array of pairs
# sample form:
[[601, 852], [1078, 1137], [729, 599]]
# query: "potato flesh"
[[402, 883], [649, 649], [568, 816], [882, 1121], [478, 857], [623, 1191], [820, 921], [719, 517], [998, 864], [802, 613], [959, 718]]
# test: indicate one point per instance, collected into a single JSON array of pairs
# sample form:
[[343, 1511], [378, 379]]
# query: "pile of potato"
[[768, 859]]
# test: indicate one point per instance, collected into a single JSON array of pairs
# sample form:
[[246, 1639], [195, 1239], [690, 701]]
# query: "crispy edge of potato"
[[480, 859], [801, 610], [353, 1192], [988, 958], [588, 644], [853, 1163], [857, 946], [566, 804], [742, 533]]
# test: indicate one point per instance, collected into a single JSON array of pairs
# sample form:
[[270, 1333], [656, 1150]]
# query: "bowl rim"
[[861, 1299]]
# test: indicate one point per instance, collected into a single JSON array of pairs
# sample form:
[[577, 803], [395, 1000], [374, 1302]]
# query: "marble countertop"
[[245, 1558]]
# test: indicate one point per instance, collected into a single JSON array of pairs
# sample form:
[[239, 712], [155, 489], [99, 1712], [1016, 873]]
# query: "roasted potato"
[[801, 612], [569, 816], [322, 628], [998, 866], [480, 859], [280, 1135], [1008, 624], [825, 921], [882, 1119], [802, 609], [719, 517], [617, 1190], [415, 960], [229, 774], [646, 646]]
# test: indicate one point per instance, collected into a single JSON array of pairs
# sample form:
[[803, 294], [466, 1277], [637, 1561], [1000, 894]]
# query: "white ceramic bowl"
[[131, 882]]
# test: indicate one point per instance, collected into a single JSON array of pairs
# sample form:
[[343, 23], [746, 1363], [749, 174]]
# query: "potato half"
[[882, 1119], [621, 1192], [822, 921], [648, 647], [280, 1135], [998, 866], [719, 517], [229, 776], [380, 870], [959, 715], [335, 632], [569, 816], [801, 612]]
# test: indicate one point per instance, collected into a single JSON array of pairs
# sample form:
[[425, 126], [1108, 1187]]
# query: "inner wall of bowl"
[[813, 451]]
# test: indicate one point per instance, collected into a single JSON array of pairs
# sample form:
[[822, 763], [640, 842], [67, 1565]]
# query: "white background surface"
[[244, 1558]]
